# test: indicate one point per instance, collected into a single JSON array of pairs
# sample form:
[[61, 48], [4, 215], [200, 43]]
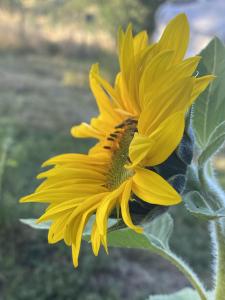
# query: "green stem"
[[187, 271], [220, 262], [4, 153], [213, 192]]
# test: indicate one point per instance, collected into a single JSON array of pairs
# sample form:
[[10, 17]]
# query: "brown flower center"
[[119, 142]]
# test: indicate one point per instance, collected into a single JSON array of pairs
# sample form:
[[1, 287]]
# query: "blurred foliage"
[[112, 14], [98, 13]]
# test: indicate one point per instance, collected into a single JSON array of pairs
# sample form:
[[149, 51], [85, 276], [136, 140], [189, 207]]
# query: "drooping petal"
[[106, 207], [152, 188], [55, 233], [89, 205], [77, 234], [95, 239], [124, 204], [61, 208], [89, 202]]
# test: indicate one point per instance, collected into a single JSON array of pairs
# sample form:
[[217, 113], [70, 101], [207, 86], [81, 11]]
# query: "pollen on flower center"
[[120, 141]]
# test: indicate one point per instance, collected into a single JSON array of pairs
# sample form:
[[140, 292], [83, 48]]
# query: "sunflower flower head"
[[141, 137]]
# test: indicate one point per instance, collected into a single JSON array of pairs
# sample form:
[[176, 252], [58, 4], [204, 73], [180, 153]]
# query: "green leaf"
[[197, 206], [185, 294], [155, 238], [33, 223], [209, 109], [156, 234], [46, 225]]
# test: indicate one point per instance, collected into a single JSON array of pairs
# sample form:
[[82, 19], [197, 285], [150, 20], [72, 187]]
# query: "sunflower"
[[141, 122]]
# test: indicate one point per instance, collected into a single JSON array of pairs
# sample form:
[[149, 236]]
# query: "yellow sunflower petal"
[[64, 172], [102, 100], [74, 158], [106, 98], [47, 196], [105, 95], [77, 234], [78, 223], [154, 70], [182, 70], [64, 194], [176, 36], [95, 239], [53, 183], [166, 139], [84, 130], [55, 232], [105, 208], [126, 47], [140, 42], [90, 202], [104, 87], [139, 148], [125, 208], [105, 243], [72, 223], [64, 207], [163, 104], [122, 91], [128, 71], [152, 188]]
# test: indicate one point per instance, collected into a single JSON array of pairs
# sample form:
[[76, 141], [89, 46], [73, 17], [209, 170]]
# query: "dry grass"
[[26, 30]]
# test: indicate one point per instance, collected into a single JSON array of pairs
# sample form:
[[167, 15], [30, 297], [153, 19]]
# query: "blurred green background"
[[46, 50]]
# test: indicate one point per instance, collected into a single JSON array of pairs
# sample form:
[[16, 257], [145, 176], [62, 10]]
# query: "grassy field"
[[42, 96]]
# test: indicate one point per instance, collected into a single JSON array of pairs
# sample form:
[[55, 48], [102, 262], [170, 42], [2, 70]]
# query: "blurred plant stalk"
[[7, 142], [212, 190], [220, 267]]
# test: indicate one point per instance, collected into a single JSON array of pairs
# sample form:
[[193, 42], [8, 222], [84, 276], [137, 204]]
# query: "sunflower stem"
[[191, 276], [4, 153], [213, 192], [220, 259]]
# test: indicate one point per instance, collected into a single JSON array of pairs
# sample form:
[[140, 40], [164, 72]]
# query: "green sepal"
[[33, 224], [199, 202], [216, 141], [197, 206]]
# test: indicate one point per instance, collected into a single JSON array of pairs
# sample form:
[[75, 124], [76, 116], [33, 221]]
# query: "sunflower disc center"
[[120, 155]]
